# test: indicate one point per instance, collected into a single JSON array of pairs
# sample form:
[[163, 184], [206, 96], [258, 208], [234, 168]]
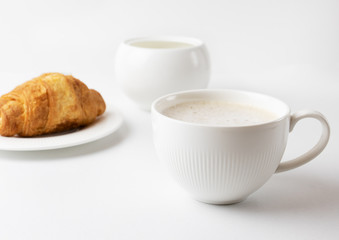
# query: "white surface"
[[102, 127], [115, 188]]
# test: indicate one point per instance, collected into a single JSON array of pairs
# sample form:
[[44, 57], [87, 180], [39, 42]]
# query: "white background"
[[243, 36], [116, 188]]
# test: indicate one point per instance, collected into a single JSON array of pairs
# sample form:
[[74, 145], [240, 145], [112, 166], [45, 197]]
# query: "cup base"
[[228, 202]]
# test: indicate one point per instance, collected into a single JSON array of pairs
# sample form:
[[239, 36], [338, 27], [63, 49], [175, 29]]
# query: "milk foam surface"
[[220, 113]]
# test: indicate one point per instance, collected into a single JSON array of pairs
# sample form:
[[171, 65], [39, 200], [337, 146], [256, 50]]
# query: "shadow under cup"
[[221, 164]]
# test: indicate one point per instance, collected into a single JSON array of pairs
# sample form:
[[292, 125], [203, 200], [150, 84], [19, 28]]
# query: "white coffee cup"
[[225, 164], [150, 67]]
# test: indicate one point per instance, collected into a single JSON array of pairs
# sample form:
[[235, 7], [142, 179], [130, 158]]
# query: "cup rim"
[[195, 42], [267, 124]]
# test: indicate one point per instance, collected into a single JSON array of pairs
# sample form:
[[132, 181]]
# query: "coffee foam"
[[220, 113]]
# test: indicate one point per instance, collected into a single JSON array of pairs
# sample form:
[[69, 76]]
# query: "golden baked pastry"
[[50, 103]]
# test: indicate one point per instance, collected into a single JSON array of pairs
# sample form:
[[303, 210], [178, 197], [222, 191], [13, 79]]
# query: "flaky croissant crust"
[[50, 103]]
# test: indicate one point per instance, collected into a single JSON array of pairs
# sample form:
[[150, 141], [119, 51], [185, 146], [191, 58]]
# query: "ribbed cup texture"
[[218, 175]]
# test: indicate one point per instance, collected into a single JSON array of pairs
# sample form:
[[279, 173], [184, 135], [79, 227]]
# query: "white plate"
[[104, 125]]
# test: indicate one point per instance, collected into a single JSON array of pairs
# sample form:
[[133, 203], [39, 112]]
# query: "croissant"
[[50, 103]]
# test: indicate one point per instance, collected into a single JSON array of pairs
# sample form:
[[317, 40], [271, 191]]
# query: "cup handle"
[[316, 150]]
